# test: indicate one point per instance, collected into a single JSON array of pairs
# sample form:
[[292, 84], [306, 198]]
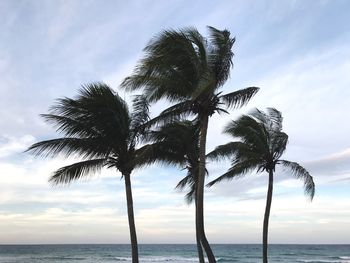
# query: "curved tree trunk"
[[133, 238], [198, 239], [200, 189], [266, 216]]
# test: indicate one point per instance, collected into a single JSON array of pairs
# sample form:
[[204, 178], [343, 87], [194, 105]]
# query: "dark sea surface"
[[172, 253]]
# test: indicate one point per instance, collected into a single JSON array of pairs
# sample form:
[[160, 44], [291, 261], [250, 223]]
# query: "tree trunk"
[[133, 238], [198, 239], [200, 189], [266, 216]]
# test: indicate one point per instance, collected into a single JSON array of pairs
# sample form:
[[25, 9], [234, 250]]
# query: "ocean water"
[[171, 253]]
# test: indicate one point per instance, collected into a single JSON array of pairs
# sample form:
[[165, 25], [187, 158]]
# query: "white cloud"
[[334, 166], [73, 44], [97, 225], [11, 145]]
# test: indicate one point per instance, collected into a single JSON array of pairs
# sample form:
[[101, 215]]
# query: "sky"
[[297, 52]]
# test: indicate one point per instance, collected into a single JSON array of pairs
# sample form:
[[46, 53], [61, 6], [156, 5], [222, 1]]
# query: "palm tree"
[[260, 147], [98, 127], [188, 69], [177, 143]]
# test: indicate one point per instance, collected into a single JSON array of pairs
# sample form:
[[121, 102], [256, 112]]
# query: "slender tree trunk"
[[133, 238], [200, 189], [266, 216], [198, 238]]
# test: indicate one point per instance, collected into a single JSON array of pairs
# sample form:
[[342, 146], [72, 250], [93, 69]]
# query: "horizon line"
[[72, 244]]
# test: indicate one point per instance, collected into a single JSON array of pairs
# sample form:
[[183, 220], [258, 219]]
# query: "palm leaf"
[[238, 98], [221, 54], [250, 132], [276, 118], [278, 144], [239, 169], [97, 126], [76, 171], [139, 117], [174, 113], [140, 114], [86, 148], [225, 151], [71, 127], [170, 66], [188, 183], [301, 173], [184, 182], [96, 111], [156, 152]]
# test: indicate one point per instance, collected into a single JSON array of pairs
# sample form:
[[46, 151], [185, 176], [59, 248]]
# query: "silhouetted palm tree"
[[260, 147], [177, 144], [97, 126], [189, 69]]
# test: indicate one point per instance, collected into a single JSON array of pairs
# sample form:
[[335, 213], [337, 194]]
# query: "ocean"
[[172, 253]]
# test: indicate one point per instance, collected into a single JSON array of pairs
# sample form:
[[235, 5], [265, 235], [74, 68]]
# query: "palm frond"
[[170, 67], [140, 113], [71, 127], [156, 153], [190, 196], [76, 171], [301, 173], [173, 87], [226, 150], [278, 143], [173, 143], [176, 143], [96, 124], [139, 117], [238, 98], [276, 118], [205, 87], [86, 148], [272, 120], [239, 169], [188, 184], [169, 83], [177, 131], [200, 45], [174, 113], [221, 54], [250, 132], [96, 112], [184, 182]]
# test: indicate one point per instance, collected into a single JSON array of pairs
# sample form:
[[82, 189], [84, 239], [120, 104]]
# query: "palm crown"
[[183, 66], [260, 147], [97, 126]]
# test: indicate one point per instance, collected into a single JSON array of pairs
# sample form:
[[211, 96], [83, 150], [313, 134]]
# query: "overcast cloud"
[[297, 52]]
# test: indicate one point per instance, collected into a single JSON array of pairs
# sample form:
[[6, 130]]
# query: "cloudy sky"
[[297, 52]]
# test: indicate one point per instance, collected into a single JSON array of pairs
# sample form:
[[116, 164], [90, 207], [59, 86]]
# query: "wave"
[[166, 259], [335, 260], [159, 259], [341, 259], [58, 258]]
